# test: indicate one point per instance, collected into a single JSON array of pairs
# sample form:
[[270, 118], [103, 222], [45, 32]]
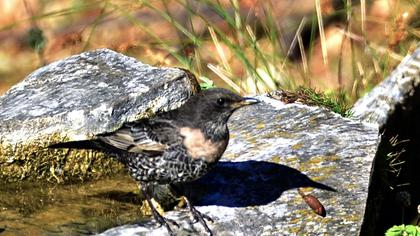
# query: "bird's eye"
[[220, 101]]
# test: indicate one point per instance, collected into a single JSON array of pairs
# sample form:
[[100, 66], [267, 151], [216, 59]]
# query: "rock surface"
[[274, 149], [394, 106], [75, 98]]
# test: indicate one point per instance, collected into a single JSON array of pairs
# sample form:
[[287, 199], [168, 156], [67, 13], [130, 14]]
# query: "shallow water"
[[75, 209]]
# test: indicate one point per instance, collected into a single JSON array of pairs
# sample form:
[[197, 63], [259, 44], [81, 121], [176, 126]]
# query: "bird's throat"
[[208, 147]]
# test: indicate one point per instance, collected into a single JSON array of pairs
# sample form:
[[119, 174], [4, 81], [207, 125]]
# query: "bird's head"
[[222, 101], [213, 107]]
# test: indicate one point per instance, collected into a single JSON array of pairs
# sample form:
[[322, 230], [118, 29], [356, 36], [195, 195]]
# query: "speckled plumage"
[[177, 146]]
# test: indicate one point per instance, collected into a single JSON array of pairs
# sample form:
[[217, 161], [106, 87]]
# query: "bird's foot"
[[164, 221], [156, 215], [199, 217]]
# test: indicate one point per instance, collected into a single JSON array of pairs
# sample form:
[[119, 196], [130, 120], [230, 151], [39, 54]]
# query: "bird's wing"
[[145, 136]]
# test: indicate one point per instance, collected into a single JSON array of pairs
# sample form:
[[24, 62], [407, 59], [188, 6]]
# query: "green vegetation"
[[207, 83], [36, 39], [335, 104], [311, 97], [403, 230]]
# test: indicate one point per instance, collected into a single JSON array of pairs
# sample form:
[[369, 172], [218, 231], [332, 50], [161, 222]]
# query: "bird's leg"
[[198, 216], [158, 217]]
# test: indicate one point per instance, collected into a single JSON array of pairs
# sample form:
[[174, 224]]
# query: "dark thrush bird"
[[173, 147]]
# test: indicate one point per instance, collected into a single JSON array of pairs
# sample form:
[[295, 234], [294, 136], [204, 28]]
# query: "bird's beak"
[[245, 102]]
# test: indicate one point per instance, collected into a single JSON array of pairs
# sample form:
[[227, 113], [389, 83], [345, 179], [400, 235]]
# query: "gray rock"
[[394, 106], [274, 149], [74, 99]]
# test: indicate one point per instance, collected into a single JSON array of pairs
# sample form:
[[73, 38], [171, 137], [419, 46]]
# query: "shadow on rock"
[[248, 183]]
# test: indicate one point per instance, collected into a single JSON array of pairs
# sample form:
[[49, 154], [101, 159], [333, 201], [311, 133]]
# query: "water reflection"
[[76, 209]]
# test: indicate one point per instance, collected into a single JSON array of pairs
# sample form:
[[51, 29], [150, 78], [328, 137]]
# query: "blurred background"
[[342, 47]]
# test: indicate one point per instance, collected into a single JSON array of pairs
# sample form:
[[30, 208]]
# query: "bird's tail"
[[84, 144]]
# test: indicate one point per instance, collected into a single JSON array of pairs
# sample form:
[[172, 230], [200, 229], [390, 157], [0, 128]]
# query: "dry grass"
[[250, 46]]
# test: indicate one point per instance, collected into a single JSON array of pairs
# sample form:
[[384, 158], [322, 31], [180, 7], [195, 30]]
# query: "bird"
[[178, 146]]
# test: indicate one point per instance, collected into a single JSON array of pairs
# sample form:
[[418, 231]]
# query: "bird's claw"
[[164, 221], [173, 222], [200, 217], [197, 215], [208, 218]]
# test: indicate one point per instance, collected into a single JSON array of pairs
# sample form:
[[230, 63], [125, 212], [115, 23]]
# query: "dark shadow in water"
[[248, 183], [121, 196]]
